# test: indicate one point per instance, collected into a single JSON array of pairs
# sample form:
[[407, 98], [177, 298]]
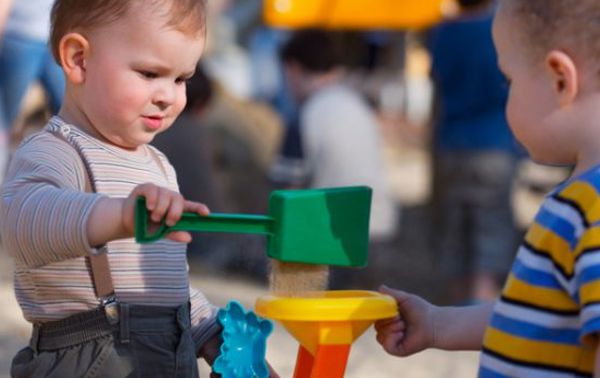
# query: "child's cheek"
[[132, 100], [181, 100]]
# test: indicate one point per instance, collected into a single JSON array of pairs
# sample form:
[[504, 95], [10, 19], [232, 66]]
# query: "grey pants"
[[474, 221], [148, 341]]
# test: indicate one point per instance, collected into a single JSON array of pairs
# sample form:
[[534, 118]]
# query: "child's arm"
[[46, 213], [422, 325], [114, 218], [44, 206]]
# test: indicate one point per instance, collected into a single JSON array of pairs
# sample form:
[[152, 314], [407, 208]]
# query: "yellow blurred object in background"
[[355, 14]]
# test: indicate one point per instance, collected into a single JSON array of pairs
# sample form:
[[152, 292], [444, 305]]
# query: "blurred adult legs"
[[474, 222], [23, 62]]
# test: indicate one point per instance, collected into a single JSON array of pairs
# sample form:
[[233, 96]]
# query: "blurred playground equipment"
[[356, 14]]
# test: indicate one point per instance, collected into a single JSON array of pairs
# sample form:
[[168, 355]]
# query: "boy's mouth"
[[153, 122]]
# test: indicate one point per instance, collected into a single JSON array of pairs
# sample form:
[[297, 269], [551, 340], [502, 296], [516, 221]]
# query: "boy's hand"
[[162, 203], [410, 332], [210, 351]]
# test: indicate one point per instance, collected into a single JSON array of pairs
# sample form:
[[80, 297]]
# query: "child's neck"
[[587, 127], [71, 114]]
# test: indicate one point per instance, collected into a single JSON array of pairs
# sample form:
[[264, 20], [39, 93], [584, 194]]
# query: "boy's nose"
[[165, 95]]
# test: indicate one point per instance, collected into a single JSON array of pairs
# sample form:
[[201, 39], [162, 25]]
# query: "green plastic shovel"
[[317, 226]]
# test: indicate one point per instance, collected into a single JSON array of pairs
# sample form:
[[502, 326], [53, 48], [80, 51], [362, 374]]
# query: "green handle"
[[232, 223]]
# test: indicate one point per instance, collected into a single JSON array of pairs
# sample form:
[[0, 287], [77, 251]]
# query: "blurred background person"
[[4, 145], [336, 140], [474, 156], [4, 10], [25, 58]]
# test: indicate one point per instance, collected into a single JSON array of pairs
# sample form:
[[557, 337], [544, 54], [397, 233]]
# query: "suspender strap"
[[101, 276]]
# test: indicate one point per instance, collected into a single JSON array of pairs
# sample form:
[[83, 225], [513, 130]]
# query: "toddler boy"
[[547, 320], [100, 304]]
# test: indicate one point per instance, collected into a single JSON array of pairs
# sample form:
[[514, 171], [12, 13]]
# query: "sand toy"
[[326, 324], [317, 226]]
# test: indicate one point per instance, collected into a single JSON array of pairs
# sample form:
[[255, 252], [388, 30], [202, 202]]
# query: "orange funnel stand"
[[329, 361], [326, 324]]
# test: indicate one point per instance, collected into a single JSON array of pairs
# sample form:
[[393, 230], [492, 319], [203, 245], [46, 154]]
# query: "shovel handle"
[[231, 223]]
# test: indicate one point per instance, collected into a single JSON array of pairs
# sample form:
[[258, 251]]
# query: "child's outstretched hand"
[[162, 203], [410, 332]]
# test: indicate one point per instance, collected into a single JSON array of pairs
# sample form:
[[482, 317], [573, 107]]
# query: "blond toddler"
[[67, 209]]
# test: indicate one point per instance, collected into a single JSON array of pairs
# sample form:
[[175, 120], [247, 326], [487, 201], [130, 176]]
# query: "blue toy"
[[244, 343]]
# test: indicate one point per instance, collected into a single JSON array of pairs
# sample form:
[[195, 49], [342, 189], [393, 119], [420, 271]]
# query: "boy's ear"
[[563, 73], [73, 51]]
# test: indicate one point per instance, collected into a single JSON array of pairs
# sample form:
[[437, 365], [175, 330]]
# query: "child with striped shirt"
[[547, 321], [100, 304]]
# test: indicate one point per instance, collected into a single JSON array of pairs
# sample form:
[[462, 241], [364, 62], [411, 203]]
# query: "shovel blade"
[[321, 226]]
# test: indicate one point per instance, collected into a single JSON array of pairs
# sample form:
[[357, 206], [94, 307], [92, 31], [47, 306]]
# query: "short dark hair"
[[569, 24], [188, 16], [314, 50]]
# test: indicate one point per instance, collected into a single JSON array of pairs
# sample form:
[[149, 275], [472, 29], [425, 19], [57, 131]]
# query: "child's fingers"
[[391, 329], [196, 207], [178, 205], [398, 295], [163, 202], [396, 326], [384, 338], [391, 343], [179, 236], [150, 192], [175, 209], [385, 322]]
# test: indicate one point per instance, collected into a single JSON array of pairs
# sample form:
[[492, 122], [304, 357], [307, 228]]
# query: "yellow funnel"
[[328, 317]]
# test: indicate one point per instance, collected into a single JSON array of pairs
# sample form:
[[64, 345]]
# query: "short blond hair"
[[573, 25], [187, 16]]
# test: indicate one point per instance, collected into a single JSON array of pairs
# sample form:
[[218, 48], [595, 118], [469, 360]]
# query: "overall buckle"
[[111, 309]]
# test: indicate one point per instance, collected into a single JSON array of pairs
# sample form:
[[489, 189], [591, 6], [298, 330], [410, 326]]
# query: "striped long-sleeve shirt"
[[44, 211], [547, 320]]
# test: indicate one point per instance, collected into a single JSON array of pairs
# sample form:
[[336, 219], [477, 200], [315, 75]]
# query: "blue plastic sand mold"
[[244, 343]]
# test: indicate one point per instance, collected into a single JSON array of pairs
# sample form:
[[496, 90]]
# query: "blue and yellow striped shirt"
[[546, 321]]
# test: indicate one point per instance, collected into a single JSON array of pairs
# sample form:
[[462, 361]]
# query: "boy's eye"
[[148, 74], [182, 80]]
